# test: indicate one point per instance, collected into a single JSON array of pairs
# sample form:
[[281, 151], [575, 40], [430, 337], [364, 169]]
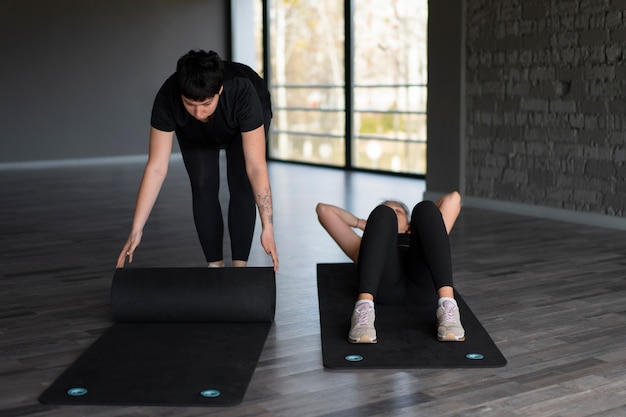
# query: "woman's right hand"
[[129, 248]]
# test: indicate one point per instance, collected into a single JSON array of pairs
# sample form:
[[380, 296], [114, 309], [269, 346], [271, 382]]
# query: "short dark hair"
[[200, 74]]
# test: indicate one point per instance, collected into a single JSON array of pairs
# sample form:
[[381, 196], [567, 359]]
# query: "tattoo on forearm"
[[264, 201]]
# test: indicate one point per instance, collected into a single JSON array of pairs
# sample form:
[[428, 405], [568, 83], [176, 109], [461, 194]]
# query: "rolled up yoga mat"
[[182, 336], [406, 333]]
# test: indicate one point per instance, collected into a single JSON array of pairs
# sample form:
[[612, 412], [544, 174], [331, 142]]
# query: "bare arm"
[[340, 225], [153, 177], [256, 167], [450, 207]]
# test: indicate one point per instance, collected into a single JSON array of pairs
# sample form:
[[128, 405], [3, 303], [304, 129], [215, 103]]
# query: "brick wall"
[[546, 103]]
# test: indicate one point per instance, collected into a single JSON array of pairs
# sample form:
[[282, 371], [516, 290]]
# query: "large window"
[[348, 83], [307, 81], [389, 90]]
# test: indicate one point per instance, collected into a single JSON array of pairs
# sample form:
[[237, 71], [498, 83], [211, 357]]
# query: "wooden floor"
[[552, 295]]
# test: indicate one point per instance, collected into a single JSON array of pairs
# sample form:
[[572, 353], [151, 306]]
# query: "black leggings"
[[395, 274], [202, 163]]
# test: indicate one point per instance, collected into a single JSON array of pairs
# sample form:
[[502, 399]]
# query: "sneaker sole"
[[450, 337], [362, 339]]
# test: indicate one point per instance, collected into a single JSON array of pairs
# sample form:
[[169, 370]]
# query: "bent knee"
[[423, 207], [384, 213]]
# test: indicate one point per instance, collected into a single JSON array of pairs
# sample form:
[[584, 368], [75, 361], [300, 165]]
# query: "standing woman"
[[211, 105]]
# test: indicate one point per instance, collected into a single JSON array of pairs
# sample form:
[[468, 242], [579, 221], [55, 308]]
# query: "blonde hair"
[[402, 206]]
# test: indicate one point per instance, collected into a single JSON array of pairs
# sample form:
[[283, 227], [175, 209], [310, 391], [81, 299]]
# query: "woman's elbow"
[[455, 197], [321, 210], [157, 167]]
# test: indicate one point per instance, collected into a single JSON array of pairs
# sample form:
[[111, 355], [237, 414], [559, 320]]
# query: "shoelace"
[[363, 315], [448, 309]]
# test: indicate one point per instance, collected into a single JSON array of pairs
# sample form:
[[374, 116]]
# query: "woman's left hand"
[[268, 243]]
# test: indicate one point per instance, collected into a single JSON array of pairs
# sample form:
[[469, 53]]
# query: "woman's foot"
[[362, 323], [449, 327]]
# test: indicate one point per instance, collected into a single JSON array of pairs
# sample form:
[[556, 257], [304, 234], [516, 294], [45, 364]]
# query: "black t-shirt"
[[240, 108]]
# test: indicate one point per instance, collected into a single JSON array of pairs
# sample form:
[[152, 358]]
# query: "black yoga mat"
[[407, 335], [182, 337]]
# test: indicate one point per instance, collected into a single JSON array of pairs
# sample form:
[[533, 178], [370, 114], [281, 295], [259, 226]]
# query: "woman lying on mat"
[[402, 258]]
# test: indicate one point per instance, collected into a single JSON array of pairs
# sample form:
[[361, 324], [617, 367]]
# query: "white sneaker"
[[362, 324], [449, 328]]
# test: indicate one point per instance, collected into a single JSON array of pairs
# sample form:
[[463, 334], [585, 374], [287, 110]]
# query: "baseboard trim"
[[571, 216], [79, 162]]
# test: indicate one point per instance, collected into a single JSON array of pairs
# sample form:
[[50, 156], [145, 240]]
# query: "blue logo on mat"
[[77, 392], [354, 358], [210, 393], [474, 356]]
